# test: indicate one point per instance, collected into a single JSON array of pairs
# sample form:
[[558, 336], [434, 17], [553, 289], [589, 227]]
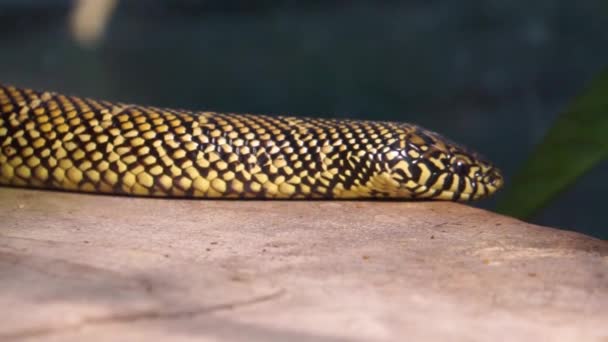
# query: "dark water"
[[490, 74]]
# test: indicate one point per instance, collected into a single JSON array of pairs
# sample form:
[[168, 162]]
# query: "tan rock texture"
[[77, 267]]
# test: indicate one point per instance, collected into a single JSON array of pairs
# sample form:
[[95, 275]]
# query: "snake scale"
[[53, 141]]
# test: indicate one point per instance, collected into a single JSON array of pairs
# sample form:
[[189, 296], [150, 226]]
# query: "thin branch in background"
[[89, 19]]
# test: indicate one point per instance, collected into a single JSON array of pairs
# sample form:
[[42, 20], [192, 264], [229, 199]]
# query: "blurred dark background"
[[493, 75]]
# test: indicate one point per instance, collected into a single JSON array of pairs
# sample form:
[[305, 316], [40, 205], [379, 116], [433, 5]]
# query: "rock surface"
[[79, 267]]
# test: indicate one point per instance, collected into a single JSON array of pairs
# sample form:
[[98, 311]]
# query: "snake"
[[58, 142]]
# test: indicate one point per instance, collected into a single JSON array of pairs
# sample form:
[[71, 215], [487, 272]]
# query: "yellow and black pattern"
[[54, 141]]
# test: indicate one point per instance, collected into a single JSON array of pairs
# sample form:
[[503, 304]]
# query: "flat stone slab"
[[77, 267]]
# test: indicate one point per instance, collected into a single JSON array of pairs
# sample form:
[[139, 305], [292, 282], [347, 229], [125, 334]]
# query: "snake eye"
[[460, 167]]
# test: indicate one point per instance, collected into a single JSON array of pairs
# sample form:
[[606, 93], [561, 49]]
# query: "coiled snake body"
[[53, 141]]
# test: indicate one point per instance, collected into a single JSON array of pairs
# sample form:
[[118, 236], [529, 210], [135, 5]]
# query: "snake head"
[[429, 165]]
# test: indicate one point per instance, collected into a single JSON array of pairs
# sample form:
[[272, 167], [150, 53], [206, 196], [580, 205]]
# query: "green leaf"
[[576, 143]]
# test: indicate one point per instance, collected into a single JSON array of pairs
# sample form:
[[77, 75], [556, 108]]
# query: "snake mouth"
[[487, 184], [493, 179], [471, 188]]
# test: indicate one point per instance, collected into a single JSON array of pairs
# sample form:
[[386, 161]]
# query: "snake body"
[[53, 141]]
